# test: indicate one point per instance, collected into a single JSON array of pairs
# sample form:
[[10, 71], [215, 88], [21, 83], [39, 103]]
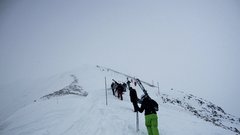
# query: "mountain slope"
[[199, 107], [89, 115]]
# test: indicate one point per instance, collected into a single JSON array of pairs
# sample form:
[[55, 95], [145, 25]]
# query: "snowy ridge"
[[202, 109], [71, 114], [72, 88], [120, 73], [199, 107]]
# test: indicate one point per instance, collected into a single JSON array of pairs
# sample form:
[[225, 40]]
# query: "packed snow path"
[[74, 115]]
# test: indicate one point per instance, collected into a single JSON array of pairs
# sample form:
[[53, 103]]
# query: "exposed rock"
[[72, 88], [204, 110]]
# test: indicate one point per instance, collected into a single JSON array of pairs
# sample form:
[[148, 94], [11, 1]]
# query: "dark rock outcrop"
[[205, 110], [72, 88]]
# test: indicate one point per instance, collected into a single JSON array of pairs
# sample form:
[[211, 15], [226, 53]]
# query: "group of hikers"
[[147, 104], [118, 88]]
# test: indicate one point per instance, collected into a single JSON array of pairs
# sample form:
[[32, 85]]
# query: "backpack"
[[154, 105]]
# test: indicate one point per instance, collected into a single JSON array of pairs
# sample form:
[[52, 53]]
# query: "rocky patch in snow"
[[73, 88], [204, 109]]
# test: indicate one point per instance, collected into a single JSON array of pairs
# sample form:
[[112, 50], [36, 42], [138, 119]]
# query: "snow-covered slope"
[[202, 109], [198, 107], [70, 113]]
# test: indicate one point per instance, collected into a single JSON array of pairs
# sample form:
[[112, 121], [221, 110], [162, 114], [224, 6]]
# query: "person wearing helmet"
[[151, 118]]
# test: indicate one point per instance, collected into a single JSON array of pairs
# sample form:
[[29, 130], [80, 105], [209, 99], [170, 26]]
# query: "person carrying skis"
[[134, 98], [151, 118]]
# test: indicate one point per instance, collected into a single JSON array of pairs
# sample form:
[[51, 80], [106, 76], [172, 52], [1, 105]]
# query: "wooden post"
[[106, 89]]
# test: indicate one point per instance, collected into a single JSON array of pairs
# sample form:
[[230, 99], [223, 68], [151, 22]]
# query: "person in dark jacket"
[[151, 118], [120, 90], [134, 98], [128, 83], [113, 85]]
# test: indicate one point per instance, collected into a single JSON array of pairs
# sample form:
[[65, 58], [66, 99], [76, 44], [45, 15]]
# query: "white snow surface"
[[79, 115]]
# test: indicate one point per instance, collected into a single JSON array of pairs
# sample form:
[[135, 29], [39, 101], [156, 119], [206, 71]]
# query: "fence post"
[[137, 122], [106, 89], [158, 88]]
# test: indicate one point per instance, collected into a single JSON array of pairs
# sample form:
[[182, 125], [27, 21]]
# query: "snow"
[[72, 114]]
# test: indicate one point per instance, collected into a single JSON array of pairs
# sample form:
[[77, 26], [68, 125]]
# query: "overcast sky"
[[190, 45]]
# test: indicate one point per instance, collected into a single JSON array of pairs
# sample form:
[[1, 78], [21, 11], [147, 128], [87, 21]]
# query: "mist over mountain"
[[191, 46]]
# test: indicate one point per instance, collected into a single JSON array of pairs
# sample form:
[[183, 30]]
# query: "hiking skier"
[[113, 87], [128, 83], [120, 90], [151, 118], [133, 98], [124, 87]]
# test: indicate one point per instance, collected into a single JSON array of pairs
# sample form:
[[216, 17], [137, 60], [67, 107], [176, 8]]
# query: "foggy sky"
[[186, 45]]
